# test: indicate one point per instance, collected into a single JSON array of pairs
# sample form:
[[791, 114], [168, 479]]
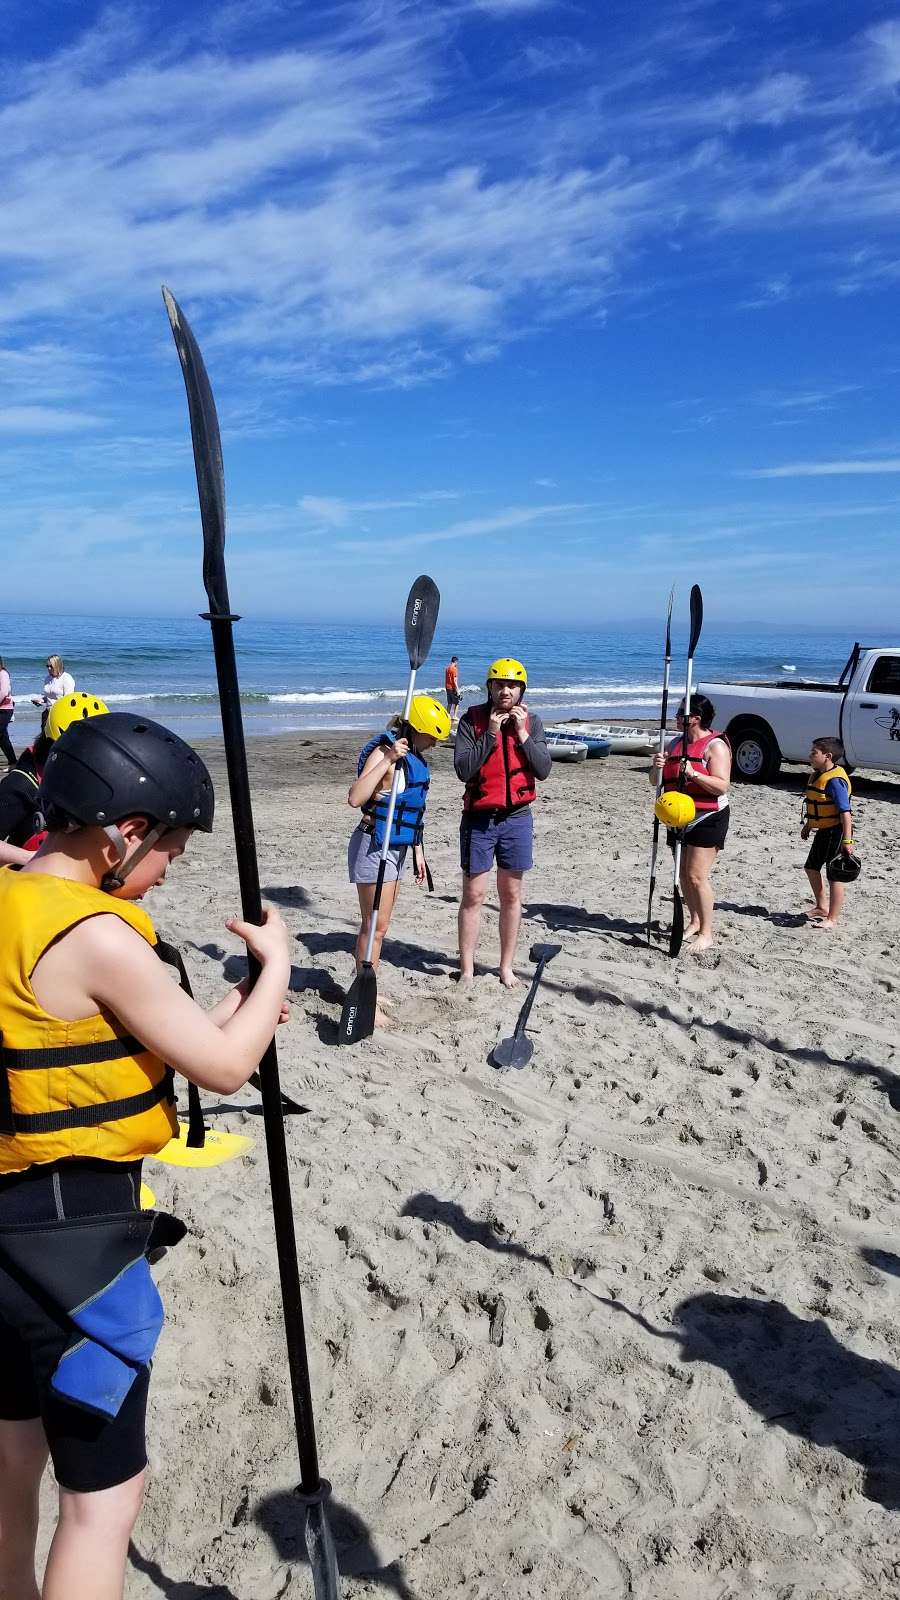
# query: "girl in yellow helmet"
[[405, 743]]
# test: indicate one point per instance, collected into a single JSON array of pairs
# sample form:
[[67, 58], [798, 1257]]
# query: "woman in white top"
[[7, 707], [59, 682]]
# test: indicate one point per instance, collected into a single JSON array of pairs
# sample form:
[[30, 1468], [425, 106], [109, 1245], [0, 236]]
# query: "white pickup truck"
[[768, 723]]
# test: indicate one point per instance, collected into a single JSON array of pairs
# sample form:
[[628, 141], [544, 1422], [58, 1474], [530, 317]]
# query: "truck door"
[[873, 724]]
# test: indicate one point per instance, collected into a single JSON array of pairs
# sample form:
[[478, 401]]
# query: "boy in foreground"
[[84, 999], [828, 817]]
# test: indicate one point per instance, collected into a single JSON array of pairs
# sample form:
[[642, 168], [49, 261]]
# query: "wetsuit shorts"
[[707, 834], [363, 856], [88, 1452], [504, 837], [826, 843]]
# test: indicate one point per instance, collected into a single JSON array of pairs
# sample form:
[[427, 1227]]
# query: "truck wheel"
[[757, 757]]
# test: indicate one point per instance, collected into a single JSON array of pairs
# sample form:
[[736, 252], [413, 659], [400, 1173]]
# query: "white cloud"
[[507, 520], [827, 469], [45, 419]]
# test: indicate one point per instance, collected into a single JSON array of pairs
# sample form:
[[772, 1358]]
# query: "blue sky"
[[558, 301]]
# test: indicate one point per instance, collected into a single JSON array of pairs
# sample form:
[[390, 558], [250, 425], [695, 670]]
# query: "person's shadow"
[[173, 1588], [794, 1372], [282, 1517]]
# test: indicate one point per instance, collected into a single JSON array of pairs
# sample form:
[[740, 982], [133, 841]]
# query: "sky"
[[557, 300]]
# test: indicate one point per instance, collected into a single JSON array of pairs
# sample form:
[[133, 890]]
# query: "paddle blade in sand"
[[358, 1014], [217, 1148], [518, 1050]]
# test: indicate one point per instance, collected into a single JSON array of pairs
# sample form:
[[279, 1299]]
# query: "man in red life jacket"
[[500, 750]]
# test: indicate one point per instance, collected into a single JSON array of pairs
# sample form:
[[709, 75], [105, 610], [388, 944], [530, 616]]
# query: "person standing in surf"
[[7, 707], [406, 744], [59, 683], [501, 749], [698, 763], [451, 690]]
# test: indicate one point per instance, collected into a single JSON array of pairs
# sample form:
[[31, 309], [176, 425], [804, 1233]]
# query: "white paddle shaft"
[[389, 823]]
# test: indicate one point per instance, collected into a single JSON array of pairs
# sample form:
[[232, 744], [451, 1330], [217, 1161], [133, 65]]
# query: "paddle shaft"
[[270, 1087], [389, 823], [661, 747], [677, 934], [525, 1012]]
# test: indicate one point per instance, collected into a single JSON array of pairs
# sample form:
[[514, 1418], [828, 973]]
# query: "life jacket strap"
[[196, 1134], [94, 1116]]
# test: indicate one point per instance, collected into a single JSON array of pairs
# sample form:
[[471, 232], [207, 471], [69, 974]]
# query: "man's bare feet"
[[692, 930], [822, 924], [703, 941], [815, 913], [466, 980], [508, 979]]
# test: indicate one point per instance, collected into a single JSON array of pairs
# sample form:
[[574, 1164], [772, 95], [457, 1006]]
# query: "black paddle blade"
[[544, 952], [358, 1015], [676, 936], [207, 457], [322, 1559], [513, 1052], [421, 619], [669, 622], [650, 912], [696, 617]]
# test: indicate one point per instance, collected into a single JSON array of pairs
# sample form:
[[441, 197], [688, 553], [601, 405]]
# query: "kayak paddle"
[[314, 1489], [676, 935], [663, 724], [358, 1014], [518, 1051]]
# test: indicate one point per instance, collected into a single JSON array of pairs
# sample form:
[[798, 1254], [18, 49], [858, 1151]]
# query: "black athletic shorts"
[[708, 834], [88, 1452], [826, 842]]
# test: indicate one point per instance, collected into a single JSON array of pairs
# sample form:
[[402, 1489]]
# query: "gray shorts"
[[363, 856]]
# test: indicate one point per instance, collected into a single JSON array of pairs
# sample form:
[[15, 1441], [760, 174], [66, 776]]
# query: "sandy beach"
[[622, 1324]]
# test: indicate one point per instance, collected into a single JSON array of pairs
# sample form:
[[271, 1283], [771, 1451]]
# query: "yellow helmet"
[[72, 708], [675, 809], [507, 667], [428, 716]]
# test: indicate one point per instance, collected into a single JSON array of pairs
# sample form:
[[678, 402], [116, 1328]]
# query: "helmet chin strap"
[[123, 869]]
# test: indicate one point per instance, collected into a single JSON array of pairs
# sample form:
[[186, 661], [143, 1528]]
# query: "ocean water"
[[305, 676]]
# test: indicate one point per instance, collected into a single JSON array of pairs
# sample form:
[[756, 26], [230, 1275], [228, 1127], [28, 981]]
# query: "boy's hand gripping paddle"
[[663, 725], [518, 1051], [314, 1489], [358, 1015], [676, 936]]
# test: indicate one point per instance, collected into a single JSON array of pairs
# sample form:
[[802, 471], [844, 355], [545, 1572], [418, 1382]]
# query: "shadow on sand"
[[282, 1517]]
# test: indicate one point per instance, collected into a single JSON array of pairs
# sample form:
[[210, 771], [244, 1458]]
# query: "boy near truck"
[[828, 818]]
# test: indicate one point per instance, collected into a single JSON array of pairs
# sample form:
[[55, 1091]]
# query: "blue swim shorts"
[[485, 838]]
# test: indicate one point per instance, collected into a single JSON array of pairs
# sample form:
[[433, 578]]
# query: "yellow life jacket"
[[82, 1088], [819, 810]]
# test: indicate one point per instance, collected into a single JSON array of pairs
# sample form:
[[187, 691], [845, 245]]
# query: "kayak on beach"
[[618, 741], [567, 749]]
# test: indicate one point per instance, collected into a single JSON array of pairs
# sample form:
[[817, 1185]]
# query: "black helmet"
[[116, 766], [844, 868]]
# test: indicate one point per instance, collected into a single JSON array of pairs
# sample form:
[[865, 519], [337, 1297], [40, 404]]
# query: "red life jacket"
[[696, 755], [505, 782]]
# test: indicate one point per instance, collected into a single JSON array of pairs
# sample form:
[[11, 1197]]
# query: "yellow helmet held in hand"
[[428, 716], [675, 809], [510, 669], [72, 708]]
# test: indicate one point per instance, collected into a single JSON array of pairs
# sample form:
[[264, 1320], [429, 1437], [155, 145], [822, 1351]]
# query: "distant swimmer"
[[501, 748]]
